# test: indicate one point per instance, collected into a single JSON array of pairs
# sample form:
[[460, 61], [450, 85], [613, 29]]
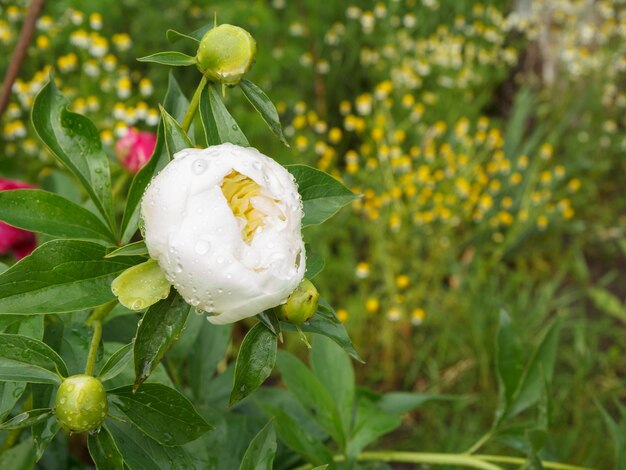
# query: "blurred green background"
[[486, 140]]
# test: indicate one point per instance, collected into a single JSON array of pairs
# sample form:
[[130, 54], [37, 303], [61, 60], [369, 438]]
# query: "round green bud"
[[81, 403], [226, 53], [301, 304]]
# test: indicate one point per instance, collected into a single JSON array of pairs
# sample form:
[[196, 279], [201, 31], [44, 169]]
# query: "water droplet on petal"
[[202, 247]]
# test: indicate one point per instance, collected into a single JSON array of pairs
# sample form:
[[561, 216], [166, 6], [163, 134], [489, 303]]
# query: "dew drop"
[[202, 247], [137, 304], [220, 260], [199, 166]]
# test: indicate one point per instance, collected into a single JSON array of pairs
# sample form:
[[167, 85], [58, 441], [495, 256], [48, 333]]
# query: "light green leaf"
[[159, 328], [264, 107], [24, 359], [176, 105], [61, 276], [43, 212], [103, 450], [116, 363], [175, 36], [172, 58], [261, 451], [27, 419], [255, 362], [133, 249], [322, 195], [201, 31], [370, 424], [75, 141], [175, 137], [607, 302], [401, 402], [618, 436], [141, 286], [161, 412], [142, 453], [219, 126]]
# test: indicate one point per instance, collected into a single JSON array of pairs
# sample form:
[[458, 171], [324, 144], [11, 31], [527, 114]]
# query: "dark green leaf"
[[174, 36], [159, 328], [325, 322], [334, 370], [173, 58], [370, 424], [270, 319], [142, 453], [219, 126], [26, 419], [322, 195], [103, 451], [292, 434], [75, 346], [24, 359], [210, 347], [201, 31], [61, 276], [160, 412], [176, 104], [20, 457], [261, 451], [134, 249], [116, 363], [10, 393], [618, 436], [75, 141], [509, 362], [43, 212], [314, 264], [539, 369], [264, 107], [175, 137], [255, 362]]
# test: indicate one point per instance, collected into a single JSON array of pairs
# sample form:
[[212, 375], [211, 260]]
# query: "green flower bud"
[[226, 53], [301, 304], [81, 403]]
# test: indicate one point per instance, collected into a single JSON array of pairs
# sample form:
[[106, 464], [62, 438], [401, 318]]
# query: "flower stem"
[[95, 321], [479, 443], [193, 105]]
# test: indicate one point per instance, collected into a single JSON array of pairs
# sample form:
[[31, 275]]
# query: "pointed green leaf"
[[209, 349], [61, 276], [43, 212], [116, 363], [509, 363], [322, 195], [219, 126], [175, 138], [159, 328], [141, 286], [75, 141], [264, 107], [133, 249], [176, 105], [201, 31], [27, 419], [24, 359], [270, 319], [370, 424], [255, 362], [172, 58], [161, 412], [314, 263], [618, 436], [261, 451], [104, 451], [175, 36], [607, 302]]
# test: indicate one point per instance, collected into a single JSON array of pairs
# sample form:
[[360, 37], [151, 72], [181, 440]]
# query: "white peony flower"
[[224, 224]]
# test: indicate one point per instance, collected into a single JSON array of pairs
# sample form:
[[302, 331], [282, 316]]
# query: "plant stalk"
[[193, 105], [95, 321]]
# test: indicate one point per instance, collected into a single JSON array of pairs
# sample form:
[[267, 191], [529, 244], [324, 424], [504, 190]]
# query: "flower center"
[[240, 191]]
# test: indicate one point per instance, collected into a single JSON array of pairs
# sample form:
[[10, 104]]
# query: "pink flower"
[[135, 148], [14, 240]]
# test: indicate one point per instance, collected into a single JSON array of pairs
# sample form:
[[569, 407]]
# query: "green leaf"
[[176, 105], [334, 370], [174, 36], [159, 328], [219, 126], [261, 451], [175, 137], [43, 212], [311, 393], [255, 362], [370, 424], [24, 359], [270, 319], [292, 434], [401, 402], [210, 347], [539, 368], [75, 141], [161, 412], [173, 58], [61, 276], [142, 453], [103, 450], [201, 31], [314, 264], [325, 322], [3, 267], [264, 107], [19, 457], [607, 302], [116, 363], [133, 249], [10, 393], [509, 363], [618, 436], [322, 195], [27, 419]]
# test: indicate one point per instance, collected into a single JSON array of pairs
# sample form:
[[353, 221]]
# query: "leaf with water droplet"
[[264, 107], [219, 126], [27, 419]]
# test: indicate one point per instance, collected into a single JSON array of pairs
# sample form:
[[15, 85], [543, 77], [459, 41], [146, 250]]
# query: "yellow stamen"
[[239, 190]]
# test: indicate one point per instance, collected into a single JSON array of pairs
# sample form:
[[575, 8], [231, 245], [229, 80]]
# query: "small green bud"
[[226, 53], [301, 304], [81, 403]]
